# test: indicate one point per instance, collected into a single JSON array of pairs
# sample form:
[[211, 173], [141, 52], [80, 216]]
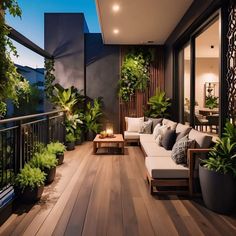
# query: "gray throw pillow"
[[155, 121], [168, 140], [179, 150], [146, 127]]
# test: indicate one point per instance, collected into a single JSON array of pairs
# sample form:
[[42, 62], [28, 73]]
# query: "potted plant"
[[57, 149], [91, 117], [211, 102], [218, 173], [158, 105], [47, 162], [78, 138], [29, 184], [70, 141]]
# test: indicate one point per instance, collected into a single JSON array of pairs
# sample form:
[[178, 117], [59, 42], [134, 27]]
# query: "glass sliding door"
[[207, 73]]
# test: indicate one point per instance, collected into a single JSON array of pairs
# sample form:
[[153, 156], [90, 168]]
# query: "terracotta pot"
[[218, 190]]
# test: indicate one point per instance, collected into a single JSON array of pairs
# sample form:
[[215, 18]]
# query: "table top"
[[117, 138]]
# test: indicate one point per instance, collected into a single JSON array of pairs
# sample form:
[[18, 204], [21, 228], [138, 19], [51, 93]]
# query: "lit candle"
[[109, 132]]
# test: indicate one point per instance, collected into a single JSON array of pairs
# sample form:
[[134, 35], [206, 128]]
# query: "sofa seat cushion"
[[146, 138], [165, 168], [152, 149], [128, 135]]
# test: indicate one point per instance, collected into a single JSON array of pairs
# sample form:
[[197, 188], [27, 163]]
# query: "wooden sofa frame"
[[187, 182]]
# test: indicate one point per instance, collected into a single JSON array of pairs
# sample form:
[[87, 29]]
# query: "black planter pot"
[[218, 190], [78, 142], [29, 195], [50, 175], [90, 136], [70, 146], [60, 158]]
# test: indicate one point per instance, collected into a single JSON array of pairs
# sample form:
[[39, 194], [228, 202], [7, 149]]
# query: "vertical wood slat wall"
[[134, 108]]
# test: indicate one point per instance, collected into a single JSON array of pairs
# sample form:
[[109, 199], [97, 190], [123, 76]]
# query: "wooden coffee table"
[[108, 142]]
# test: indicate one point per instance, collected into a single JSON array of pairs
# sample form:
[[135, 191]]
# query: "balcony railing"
[[18, 137]]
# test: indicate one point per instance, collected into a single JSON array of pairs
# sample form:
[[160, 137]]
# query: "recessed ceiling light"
[[115, 7], [116, 31]]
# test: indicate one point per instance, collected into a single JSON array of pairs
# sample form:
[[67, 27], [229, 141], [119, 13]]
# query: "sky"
[[31, 23]]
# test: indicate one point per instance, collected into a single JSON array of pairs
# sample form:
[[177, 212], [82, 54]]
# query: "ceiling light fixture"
[[116, 31], [115, 7]]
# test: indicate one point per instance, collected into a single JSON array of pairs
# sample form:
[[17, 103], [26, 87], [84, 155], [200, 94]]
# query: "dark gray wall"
[[64, 39], [185, 26], [102, 75]]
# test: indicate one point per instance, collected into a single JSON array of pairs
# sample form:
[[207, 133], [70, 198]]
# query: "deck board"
[[108, 195]]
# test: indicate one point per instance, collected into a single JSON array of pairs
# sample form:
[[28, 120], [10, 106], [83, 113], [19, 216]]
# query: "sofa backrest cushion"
[[201, 140], [169, 123], [181, 131], [168, 140], [134, 124], [155, 121]]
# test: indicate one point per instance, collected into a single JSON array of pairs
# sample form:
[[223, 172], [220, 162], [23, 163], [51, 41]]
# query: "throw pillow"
[[155, 122], [179, 150], [161, 132], [168, 140], [134, 124], [156, 131], [146, 127]]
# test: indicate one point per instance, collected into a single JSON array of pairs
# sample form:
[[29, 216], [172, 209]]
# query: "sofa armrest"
[[191, 159]]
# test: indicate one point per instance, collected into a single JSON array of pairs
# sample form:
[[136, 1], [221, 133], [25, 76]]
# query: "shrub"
[[43, 160], [56, 148], [30, 177], [70, 138]]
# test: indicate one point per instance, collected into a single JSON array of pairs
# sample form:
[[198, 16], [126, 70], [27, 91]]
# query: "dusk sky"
[[32, 23]]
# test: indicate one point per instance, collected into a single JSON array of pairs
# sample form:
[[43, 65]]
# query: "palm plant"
[[158, 105]]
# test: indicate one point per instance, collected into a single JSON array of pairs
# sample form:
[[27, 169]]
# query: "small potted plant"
[[58, 149], [29, 184], [218, 173], [70, 141], [47, 162]]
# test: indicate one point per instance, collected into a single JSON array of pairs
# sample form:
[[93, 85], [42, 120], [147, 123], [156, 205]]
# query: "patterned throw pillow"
[[179, 150], [146, 127]]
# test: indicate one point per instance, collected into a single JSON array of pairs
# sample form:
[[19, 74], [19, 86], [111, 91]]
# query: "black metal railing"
[[18, 137]]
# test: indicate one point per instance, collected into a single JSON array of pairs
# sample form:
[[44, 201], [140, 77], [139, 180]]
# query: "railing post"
[[48, 130], [20, 147]]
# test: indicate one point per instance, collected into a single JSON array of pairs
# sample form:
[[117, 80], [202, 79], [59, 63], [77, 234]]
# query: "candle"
[[109, 132]]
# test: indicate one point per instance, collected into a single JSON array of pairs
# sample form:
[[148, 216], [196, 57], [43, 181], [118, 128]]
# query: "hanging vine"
[[12, 84], [135, 73], [49, 78]]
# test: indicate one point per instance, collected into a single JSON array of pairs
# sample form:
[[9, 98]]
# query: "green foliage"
[[158, 105], [43, 160], [30, 177], [49, 78], [70, 137], [56, 148], [222, 158], [3, 109], [92, 114], [211, 102], [12, 84], [134, 73]]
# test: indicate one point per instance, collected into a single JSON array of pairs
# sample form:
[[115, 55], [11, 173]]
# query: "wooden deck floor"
[[108, 195]]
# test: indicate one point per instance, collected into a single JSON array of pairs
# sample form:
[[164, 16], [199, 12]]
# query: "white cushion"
[[202, 140], [146, 138], [161, 134], [164, 167], [180, 128], [134, 124], [169, 123], [152, 149], [131, 135]]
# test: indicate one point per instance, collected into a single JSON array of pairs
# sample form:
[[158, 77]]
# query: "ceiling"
[[139, 21], [209, 37]]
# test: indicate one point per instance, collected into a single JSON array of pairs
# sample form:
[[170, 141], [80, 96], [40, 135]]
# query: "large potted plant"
[[91, 119], [47, 162], [29, 184], [158, 105], [218, 173], [57, 149]]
